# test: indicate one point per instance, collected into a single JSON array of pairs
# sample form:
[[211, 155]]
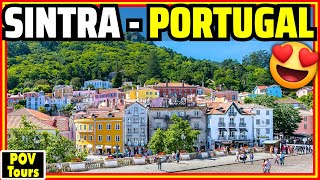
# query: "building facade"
[[14, 99], [175, 89], [62, 91], [136, 128], [239, 125], [34, 100], [228, 95], [97, 84], [141, 94], [99, 133], [273, 90], [306, 125], [304, 91], [159, 117]]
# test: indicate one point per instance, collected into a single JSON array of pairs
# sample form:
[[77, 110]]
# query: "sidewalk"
[[181, 166]]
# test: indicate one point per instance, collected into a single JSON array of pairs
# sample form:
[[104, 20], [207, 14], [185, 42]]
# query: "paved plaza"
[[293, 164]]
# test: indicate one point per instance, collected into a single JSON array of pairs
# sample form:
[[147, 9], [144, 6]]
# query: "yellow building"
[[142, 94], [101, 133]]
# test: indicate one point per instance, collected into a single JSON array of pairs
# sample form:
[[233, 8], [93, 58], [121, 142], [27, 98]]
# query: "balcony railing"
[[232, 137], [242, 137], [232, 113], [222, 137], [143, 124], [242, 125], [129, 124], [232, 124], [142, 135], [222, 124], [136, 121]]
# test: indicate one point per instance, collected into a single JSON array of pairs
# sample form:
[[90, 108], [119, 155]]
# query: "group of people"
[[174, 157], [242, 156]]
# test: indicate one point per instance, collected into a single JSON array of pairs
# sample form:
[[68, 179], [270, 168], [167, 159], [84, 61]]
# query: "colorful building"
[[273, 90], [14, 99], [97, 84], [304, 91], [34, 100], [228, 95], [62, 91], [142, 94], [175, 89], [99, 133]]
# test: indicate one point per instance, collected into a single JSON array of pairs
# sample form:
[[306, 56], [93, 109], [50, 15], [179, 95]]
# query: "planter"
[[110, 163], [220, 153], [204, 155], [139, 161], [185, 157], [77, 166]]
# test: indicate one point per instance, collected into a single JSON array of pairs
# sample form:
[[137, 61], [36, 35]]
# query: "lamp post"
[[183, 137], [36, 142], [94, 133], [117, 149], [258, 140]]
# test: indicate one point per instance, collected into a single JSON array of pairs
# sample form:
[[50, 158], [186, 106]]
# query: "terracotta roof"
[[244, 93], [262, 87], [287, 101], [305, 113], [173, 85], [223, 92], [107, 91], [308, 88], [249, 106], [114, 114], [62, 123], [31, 112]]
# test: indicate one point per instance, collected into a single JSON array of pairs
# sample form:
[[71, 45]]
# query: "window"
[[142, 121], [196, 125], [80, 137], [117, 138], [99, 138], [258, 131], [85, 137], [258, 112], [267, 112], [117, 126], [267, 121], [108, 126], [147, 93], [128, 111], [258, 121], [90, 138], [158, 114], [129, 121], [90, 127], [305, 126], [108, 138], [196, 113], [267, 131], [80, 127], [155, 93], [150, 93], [85, 127], [241, 120], [135, 111], [100, 126], [233, 97], [221, 120], [142, 131], [129, 130], [305, 118]]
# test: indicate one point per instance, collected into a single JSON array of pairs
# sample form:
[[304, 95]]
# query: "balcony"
[[129, 124], [242, 137], [136, 122], [222, 124], [222, 137], [143, 124], [232, 113], [232, 124], [129, 134], [232, 137], [142, 135], [242, 125]]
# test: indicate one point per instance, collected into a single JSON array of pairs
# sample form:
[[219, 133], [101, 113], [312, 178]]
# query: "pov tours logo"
[[23, 164]]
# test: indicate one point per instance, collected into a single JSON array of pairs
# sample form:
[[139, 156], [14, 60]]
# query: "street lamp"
[[183, 137], [36, 141], [117, 149]]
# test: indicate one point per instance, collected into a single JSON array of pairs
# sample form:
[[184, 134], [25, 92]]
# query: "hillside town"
[[102, 120]]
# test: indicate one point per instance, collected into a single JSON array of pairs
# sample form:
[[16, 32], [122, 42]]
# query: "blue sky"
[[213, 50]]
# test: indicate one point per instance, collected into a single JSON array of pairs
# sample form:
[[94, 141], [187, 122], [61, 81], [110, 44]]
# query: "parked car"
[[120, 155]]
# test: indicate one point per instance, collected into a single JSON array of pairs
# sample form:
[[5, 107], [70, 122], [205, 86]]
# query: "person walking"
[[276, 161], [243, 157], [237, 156], [251, 157], [266, 166], [173, 156], [178, 156], [282, 158], [159, 161], [271, 149], [275, 150], [228, 150]]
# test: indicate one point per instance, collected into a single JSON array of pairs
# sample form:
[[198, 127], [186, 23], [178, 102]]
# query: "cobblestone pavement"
[[220, 164]]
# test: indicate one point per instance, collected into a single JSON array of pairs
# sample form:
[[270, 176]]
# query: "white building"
[[239, 125], [98, 84], [136, 128], [304, 91], [34, 100]]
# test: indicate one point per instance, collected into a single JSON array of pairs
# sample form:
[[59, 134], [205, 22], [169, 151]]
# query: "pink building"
[[14, 99], [306, 125], [229, 95], [84, 92]]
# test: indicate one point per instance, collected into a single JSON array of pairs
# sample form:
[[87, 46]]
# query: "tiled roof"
[[223, 92], [62, 123], [249, 106], [30, 112], [262, 87], [107, 91], [173, 85], [114, 114], [287, 101]]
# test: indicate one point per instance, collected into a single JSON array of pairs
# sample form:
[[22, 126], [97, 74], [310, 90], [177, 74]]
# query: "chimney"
[[202, 83], [182, 83]]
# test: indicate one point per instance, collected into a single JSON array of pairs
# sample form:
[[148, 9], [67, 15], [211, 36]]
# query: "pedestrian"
[[159, 161], [282, 158], [243, 157], [276, 161], [228, 150], [237, 156], [59, 167], [177, 156], [275, 150], [266, 166], [251, 157], [271, 148], [173, 156]]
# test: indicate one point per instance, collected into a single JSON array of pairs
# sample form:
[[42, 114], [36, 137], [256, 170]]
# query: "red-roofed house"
[[175, 89]]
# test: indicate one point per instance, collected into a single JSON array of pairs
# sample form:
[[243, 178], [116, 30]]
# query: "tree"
[[90, 86], [67, 109], [57, 147], [152, 81], [22, 102], [307, 100], [117, 80], [153, 69], [259, 58], [59, 82], [173, 140], [248, 100], [27, 89], [76, 83], [285, 119], [265, 100], [44, 88], [42, 109], [157, 142], [18, 106]]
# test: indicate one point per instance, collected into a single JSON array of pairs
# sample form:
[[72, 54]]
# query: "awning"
[[99, 147], [114, 147], [226, 142], [89, 146], [233, 129], [270, 142], [222, 129], [243, 129], [107, 147]]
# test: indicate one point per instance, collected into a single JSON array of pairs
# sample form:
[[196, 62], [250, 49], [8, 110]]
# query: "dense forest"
[[41, 65]]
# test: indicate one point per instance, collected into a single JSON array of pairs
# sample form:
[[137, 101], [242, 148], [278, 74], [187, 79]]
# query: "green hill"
[[41, 65]]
